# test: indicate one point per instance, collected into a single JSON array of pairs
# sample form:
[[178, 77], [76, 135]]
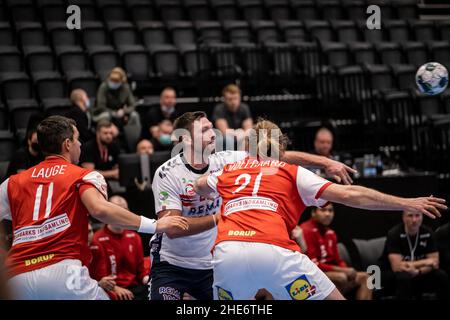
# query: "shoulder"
[[227, 157], [395, 231], [244, 106], [169, 167], [91, 144], [103, 87], [425, 230], [219, 106]]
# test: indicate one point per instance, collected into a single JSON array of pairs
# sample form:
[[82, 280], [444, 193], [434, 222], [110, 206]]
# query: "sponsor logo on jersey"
[[301, 288], [242, 233], [39, 259], [223, 294], [169, 293], [205, 209], [190, 189], [250, 203]]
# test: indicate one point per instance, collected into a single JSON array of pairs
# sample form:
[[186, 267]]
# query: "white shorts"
[[64, 280], [242, 268]]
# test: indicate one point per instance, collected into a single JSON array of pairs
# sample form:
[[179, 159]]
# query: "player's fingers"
[[434, 210], [344, 177], [438, 205], [438, 200], [347, 179], [427, 213], [351, 170], [337, 178]]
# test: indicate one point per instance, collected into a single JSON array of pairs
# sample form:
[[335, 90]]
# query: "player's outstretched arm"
[[370, 199], [109, 213], [201, 186], [196, 224], [339, 171]]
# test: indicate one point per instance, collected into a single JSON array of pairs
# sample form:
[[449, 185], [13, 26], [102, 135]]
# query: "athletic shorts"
[[242, 268], [169, 282], [64, 280]]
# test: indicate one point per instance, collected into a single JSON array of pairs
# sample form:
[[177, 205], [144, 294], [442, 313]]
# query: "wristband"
[[147, 225]]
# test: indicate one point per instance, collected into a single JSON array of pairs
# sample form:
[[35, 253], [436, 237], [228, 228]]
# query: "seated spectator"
[[155, 115], [145, 147], [80, 113], [443, 244], [321, 247], [161, 139], [115, 101], [122, 256], [232, 117], [102, 152], [323, 143], [410, 260], [28, 155]]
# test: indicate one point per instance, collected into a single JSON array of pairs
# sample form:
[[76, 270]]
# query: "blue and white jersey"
[[173, 188]]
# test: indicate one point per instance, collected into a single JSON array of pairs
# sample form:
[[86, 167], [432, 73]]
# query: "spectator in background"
[[165, 111], [443, 244], [102, 152], [232, 117], [145, 147], [122, 256], [162, 139], [321, 247], [323, 143], [411, 260], [79, 111], [115, 100], [28, 155]]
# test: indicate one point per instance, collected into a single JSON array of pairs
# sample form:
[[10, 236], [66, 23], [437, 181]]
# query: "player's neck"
[[195, 160], [59, 156]]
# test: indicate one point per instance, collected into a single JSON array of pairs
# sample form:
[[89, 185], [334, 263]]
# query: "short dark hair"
[[104, 123], [53, 131], [186, 120]]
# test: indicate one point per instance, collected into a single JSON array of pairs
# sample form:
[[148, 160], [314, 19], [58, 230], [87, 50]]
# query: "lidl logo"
[[301, 288], [224, 294]]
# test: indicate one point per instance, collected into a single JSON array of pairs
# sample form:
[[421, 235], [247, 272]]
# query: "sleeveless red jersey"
[[262, 200], [50, 223]]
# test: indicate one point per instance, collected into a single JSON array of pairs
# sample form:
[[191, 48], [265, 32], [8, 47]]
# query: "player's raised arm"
[[110, 213], [202, 187], [339, 171], [365, 198]]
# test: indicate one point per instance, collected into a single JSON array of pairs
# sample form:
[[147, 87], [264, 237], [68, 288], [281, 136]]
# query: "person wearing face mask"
[[161, 139], [155, 115], [115, 100], [28, 155], [79, 111]]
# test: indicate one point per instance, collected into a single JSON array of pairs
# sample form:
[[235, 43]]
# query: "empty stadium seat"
[[423, 30], [56, 106], [330, 9], [356, 9], [225, 10], [265, 31], [93, 33], [16, 85], [166, 60], [336, 54], [21, 110], [153, 32], [61, 36], [238, 31], [405, 76], [52, 10], [7, 34], [112, 10], [83, 80], [141, 10], [49, 85], [278, 9], [88, 9], [123, 33], [416, 53], [372, 36], [136, 61], [305, 9], [103, 59], [209, 31], [406, 9], [381, 78], [39, 58], [4, 123], [7, 145], [22, 10], [252, 9], [10, 59], [363, 53], [440, 52], [182, 32], [444, 29], [170, 10], [198, 10], [320, 29], [292, 30], [71, 58], [31, 34], [390, 53], [346, 31], [396, 30]]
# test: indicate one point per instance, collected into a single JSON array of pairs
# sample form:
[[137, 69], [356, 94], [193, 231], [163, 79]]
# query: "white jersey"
[[173, 188]]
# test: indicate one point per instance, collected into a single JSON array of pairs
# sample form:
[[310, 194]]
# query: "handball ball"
[[432, 78]]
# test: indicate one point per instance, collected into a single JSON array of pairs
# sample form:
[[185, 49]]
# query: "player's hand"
[[145, 280], [171, 223], [351, 273], [123, 294], [107, 282], [339, 171], [429, 206]]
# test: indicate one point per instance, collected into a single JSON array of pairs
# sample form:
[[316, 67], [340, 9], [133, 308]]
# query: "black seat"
[[93, 33], [31, 34], [7, 145], [372, 36], [331, 9], [83, 80], [52, 10], [49, 85], [7, 34], [16, 85], [136, 61], [61, 36], [238, 31], [3, 117], [356, 9], [278, 9], [265, 30], [390, 53], [3, 15], [104, 59], [166, 60], [406, 9], [10, 59], [440, 52], [385, 7], [56, 106], [39, 58], [405, 76], [190, 59], [88, 9], [363, 53], [71, 58], [198, 10], [252, 10], [112, 10], [416, 53], [22, 10], [397, 30], [123, 33], [170, 10], [225, 9], [423, 30], [21, 111], [222, 59], [292, 30], [444, 30], [381, 78], [320, 29], [305, 9], [346, 30], [209, 31], [336, 54], [182, 32], [141, 10], [282, 61], [153, 32]]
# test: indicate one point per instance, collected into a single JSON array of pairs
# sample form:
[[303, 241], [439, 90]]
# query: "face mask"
[[169, 110], [35, 147], [165, 139], [114, 85], [87, 103]]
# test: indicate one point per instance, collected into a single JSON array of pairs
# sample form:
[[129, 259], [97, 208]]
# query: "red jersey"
[[262, 200], [321, 245], [121, 255], [50, 223]]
